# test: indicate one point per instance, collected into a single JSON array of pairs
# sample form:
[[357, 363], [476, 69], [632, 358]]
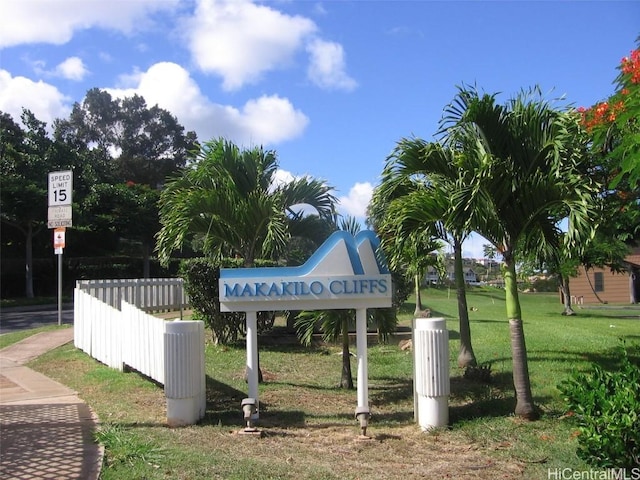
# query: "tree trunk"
[[525, 407], [566, 295], [29, 263], [418, 310], [466, 357], [291, 320], [346, 380]]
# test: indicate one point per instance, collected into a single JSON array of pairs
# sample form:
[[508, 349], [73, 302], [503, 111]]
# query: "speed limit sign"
[[60, 193], [60, 188]]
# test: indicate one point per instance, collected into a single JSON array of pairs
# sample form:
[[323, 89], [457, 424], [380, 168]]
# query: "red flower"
[[631, 66]]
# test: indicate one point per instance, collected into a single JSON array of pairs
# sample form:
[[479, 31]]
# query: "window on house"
[[598, 281]]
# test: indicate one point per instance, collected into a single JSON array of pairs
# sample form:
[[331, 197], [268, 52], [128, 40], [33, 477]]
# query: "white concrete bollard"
[[432, 384], [184, 378]]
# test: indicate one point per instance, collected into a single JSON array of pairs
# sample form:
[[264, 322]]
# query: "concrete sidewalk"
[[46, 431]]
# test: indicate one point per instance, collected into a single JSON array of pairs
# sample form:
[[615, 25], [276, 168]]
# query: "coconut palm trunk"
[[418, 310], [346, 380], [466, 357], [566, 295], [525, 407]]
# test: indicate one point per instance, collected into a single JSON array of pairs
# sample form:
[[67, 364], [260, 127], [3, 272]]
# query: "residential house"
[[431, 276], [601, 285]]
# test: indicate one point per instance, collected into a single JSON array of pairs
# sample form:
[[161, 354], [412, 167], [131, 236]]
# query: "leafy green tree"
[[528, 164], [137, 143], [27, 156], [128, 150], [228, 199], [128, 210], [415, 201]]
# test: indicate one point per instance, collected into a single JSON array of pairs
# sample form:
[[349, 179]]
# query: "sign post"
[[59, 217]]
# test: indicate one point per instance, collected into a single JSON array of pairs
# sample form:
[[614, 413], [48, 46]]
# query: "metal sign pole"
[[60, 287], [60, 195]]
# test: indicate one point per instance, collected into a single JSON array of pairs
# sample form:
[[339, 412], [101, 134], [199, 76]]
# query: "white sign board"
[[305, 293], [60, 188], [342, 274], [60, 216]]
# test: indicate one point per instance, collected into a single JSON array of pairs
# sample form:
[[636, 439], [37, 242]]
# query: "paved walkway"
[[46, 431]]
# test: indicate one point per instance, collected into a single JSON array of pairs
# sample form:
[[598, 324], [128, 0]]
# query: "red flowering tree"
[[615, 126]]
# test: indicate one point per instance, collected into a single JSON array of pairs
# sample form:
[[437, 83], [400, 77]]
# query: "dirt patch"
[[397, 453]]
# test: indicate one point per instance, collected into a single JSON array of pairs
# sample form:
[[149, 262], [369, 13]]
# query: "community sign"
[[346, 272]]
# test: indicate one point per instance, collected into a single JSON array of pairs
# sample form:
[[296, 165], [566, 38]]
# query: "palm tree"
[[413, 201], [527, 157], [229, 199]]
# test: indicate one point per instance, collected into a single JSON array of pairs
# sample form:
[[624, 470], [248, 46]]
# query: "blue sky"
[[330, 85]]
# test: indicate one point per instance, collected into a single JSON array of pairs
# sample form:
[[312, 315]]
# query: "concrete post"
[[184, 378], [431, 360]]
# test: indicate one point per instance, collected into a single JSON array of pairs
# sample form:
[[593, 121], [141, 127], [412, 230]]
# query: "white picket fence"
[[119, 338], [148, 294], [128, 337]]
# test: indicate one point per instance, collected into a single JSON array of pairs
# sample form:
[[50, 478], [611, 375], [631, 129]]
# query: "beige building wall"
[[615, 287]]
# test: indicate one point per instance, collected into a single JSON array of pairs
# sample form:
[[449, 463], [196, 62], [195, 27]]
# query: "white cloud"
[[240, 41], [46, 21], [283, 177], [327, 67], [45, 101], [356, 202], [72, 68], [269, 119]]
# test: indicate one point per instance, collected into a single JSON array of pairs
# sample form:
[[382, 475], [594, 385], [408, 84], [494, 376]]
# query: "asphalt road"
[[23, 318]]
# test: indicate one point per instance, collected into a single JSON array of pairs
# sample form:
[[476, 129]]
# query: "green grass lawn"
[[309, 426]]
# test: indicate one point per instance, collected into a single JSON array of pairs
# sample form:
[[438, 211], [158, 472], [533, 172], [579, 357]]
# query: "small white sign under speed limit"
[[60, 188]]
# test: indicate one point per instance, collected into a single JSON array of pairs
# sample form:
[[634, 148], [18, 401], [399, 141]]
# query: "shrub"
[[606, 405], [478, 373]]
